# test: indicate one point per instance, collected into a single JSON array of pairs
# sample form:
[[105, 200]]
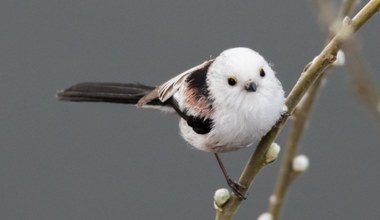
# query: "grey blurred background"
[[62, 160]]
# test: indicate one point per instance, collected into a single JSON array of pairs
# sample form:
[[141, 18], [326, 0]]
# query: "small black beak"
[[251, 87]]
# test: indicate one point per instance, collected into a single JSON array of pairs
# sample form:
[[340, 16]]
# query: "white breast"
[[235, 128]]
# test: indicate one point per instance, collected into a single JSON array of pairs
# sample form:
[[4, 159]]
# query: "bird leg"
[[236, 187]]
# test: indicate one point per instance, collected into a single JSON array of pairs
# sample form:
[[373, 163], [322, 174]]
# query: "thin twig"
[[327, 14], [317, 67], [347, 7], [286, 173], [364, 84]]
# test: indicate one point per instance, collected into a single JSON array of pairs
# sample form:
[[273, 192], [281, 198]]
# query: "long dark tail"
[[127, 93]]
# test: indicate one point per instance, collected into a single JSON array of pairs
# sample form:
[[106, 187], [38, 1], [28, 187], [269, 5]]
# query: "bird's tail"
[[127, 93]]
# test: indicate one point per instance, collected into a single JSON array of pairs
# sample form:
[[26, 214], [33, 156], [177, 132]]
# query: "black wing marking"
[[197, 80], [199, 124]]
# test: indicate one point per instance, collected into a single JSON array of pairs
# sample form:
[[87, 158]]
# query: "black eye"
[[231, 81], [262, 73]]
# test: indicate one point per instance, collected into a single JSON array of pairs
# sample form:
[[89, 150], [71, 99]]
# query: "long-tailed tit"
[[224, 104]]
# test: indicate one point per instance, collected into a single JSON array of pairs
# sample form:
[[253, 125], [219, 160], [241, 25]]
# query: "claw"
[[237, 188], [285, 114]]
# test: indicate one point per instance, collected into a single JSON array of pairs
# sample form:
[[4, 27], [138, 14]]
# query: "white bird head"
[[242, 75]]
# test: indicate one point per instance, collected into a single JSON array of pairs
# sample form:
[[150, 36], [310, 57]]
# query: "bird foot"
[[285, 114], [237, 188]]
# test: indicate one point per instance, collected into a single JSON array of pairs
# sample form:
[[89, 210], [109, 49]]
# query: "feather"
[[167, 90], [127, 93]]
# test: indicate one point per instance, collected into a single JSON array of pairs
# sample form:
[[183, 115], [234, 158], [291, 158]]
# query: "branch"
[[347, 7], [315, 70], [362, 81], [287, 173]]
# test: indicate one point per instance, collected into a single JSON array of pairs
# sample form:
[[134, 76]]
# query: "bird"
[[224, 104]]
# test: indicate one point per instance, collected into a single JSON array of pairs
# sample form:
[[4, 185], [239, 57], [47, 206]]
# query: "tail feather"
[[127, 93]]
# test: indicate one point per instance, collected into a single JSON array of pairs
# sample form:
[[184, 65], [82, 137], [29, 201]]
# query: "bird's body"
[[224, 104]]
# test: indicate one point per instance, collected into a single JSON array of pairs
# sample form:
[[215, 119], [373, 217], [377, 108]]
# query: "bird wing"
[[167, 90]]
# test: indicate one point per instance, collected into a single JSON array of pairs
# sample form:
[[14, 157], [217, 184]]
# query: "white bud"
[[265, 216], [273, 199], [272, 153], [221, 197], [300, 163], [285, 108], [340, 59]]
